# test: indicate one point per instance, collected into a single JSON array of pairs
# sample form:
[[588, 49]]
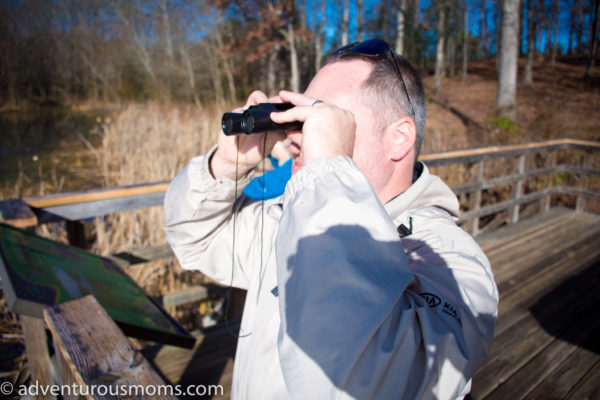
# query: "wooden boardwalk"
[[547, 337]]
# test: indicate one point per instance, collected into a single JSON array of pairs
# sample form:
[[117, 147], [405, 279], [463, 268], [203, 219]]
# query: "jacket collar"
[[427, 190]]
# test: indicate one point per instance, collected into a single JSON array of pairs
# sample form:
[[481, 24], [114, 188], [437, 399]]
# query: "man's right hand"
[[250, 147]]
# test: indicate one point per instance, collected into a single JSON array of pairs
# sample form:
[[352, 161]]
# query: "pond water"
[[46, 151]]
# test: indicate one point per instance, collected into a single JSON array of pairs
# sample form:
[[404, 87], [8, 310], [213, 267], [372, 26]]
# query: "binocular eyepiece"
[[256, 119]]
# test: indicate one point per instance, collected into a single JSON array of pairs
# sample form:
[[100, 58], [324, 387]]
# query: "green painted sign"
[[38, 272]]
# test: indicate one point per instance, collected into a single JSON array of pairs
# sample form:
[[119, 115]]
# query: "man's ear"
[[402, 134]]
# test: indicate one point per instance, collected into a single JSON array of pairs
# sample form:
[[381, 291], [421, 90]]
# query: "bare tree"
[[345, 20], [593, 42], [465, 47], [556, 20], [359, 16], [439, 53], [506, 101], [319, 35], [528, 79], [400, 27], [294, 68], [483, 30]]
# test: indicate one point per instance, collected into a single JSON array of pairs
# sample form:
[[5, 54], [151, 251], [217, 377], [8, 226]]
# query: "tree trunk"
[[580, 28], [594, 42], [506, 102], [295, 74], [556, 27], [451, 57], [227, 62], [345, 19], [319, 37], [361, 28], [521, 25], [548, 48], [189, 71], [416, 4], [528, 79], [465, 48], [271, 71], [498, 27], [439, 53], [400, 27], [167, 31], [571, 30], [215, 75], [484, 31]]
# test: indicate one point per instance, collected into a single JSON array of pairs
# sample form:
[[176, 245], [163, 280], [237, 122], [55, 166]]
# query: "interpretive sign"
[[37, 272]]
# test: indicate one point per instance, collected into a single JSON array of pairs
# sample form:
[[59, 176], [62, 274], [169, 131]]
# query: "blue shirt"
[[272, 183]]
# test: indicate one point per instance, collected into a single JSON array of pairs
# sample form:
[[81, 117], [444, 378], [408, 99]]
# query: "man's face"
[[340, 84]]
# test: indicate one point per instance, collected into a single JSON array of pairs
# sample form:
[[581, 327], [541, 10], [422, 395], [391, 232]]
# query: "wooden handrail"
[[447, 157], [476, 154], [61, 199]]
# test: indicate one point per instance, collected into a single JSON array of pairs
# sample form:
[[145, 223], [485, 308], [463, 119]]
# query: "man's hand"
[[328, 131], [250, 147]]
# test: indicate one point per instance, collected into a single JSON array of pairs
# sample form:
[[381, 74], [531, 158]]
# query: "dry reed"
[[149, 143]]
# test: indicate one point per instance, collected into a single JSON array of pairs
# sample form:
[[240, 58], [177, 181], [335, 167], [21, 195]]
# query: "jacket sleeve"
[[199, 223], [361, 318]]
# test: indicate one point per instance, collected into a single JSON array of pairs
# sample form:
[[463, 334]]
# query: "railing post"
[[78, 234], [36, 346], [517, 190], [476, 198], [550, 163], [583, 185]]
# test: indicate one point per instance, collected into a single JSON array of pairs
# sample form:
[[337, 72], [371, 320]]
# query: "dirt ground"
[[561, 103]]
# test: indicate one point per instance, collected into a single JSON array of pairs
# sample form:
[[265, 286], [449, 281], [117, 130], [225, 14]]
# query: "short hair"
[[384, 88]]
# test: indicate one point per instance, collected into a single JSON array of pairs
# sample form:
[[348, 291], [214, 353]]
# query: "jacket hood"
[[428, 190]]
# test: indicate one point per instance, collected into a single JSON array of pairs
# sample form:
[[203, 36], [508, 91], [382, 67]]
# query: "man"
[[360, 285]]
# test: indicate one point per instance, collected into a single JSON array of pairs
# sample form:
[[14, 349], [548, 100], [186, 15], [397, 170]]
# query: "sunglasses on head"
[[377, 49]]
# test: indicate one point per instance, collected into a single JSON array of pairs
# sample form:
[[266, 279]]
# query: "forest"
[[67, 52]]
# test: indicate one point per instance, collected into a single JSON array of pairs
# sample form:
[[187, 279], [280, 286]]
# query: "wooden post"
[[550, 163], [581, 205], [96, 357], [476, 199], [517, 190], [16, 212], [77, 234], [38, 358]]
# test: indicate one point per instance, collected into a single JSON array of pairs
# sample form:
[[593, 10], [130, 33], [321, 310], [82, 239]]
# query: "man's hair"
[[385, 93]]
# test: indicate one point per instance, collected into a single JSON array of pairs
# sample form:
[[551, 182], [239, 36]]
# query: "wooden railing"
[[78, 207], [476, 160]]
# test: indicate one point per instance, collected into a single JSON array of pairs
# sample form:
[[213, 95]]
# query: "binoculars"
[[256, 120]]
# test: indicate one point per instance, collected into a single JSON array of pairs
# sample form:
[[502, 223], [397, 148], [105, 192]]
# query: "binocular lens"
[[231, 123]]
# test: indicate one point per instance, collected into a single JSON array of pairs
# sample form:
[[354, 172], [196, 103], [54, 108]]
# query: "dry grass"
[[149, 143]]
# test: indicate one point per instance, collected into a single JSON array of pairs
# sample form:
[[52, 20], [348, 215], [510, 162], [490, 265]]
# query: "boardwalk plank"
[[515, 304], [550, 356], [569, 372], [588, 387], [515, 347]]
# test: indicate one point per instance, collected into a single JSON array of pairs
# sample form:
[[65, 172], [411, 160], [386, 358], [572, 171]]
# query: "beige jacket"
[[338, 305]]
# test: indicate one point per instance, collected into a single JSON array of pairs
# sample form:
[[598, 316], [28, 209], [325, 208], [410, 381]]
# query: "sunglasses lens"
[[344, 49], [373, 47]]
